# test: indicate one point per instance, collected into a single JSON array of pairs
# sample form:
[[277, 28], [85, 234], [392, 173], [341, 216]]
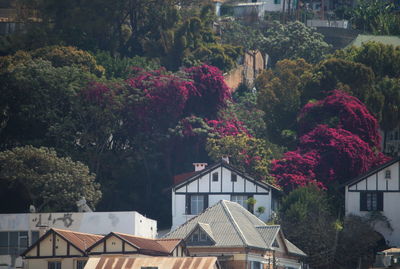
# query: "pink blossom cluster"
[[334, 152], [227, 127], [343, 111]]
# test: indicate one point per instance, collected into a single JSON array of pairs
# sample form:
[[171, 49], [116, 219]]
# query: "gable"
[[200, 236], [218, 179], [378, 181], [52, 245], [112, 244]]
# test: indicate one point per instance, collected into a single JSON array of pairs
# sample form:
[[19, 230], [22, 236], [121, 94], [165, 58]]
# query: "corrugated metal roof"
[[80, 240], [159, 262]]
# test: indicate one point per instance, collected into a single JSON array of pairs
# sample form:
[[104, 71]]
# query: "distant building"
[[18, 231], [238, 239], [378, 191], [193, 192]]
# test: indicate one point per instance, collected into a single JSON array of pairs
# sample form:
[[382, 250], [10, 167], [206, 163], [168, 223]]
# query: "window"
[[255, 265], [80, 264], [371, 201], [54, 265], [276, 2], [195, 204], [34, 237], [233, 177], [242, 200], [199, 236], [13, 243], [387, 174], [215, 176]]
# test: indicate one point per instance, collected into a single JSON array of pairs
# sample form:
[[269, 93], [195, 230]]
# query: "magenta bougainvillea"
[[165, 94], [333, 152], [211, 92], [341, 110], [225, 127], [98, 93]]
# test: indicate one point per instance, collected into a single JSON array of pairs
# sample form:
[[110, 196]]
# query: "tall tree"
[[51, 183]]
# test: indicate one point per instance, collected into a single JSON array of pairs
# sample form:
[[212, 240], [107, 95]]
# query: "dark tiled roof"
[[182, 177]]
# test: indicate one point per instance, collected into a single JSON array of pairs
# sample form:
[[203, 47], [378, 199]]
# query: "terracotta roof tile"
[[144, 244], [169, 244], [80, 240], [182, 177]]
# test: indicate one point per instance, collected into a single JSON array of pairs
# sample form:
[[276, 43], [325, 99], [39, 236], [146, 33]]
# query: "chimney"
[[199, 166], [225, 158]]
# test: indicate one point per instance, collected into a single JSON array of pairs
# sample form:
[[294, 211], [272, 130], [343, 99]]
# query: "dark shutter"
[[363, 201], [380, 201], [205, 201], [188, 204]]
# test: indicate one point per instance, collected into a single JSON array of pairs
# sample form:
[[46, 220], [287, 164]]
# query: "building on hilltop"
[[207, 185], [238, 239]]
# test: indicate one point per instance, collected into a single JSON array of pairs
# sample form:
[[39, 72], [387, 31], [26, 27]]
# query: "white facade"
[[378, 190], [214, 189], [24, 229], [259, 8]]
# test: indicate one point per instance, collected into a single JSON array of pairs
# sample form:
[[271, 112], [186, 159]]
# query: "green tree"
[[357, 242], [383, 59], [235, 33], [375, 16], [246, 153], [354, 78], [50, 182], [279, 92], [35, 98], [307, 221], [292, 41]]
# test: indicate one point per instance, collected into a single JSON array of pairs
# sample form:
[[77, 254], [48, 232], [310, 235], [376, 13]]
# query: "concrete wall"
[[391, 200], [253, 64]]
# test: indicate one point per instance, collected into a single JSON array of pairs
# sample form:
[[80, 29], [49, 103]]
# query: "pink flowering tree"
[[338, 141], [343, 111], [210, 92]]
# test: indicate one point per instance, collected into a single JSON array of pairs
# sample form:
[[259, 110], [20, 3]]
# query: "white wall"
[[216, 191], [391, 200]]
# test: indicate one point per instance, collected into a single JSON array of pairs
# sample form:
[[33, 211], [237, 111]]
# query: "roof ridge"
[[187, 222], [120, 235], [75, 232], [236, 226], [137, 236]]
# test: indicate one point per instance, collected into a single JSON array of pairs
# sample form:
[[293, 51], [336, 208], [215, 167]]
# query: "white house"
[[378, 190], [207, 185], [18, 231]]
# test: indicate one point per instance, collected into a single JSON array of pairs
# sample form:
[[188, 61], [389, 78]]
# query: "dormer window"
[[388, 174], [215, 176], [199, 236]]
